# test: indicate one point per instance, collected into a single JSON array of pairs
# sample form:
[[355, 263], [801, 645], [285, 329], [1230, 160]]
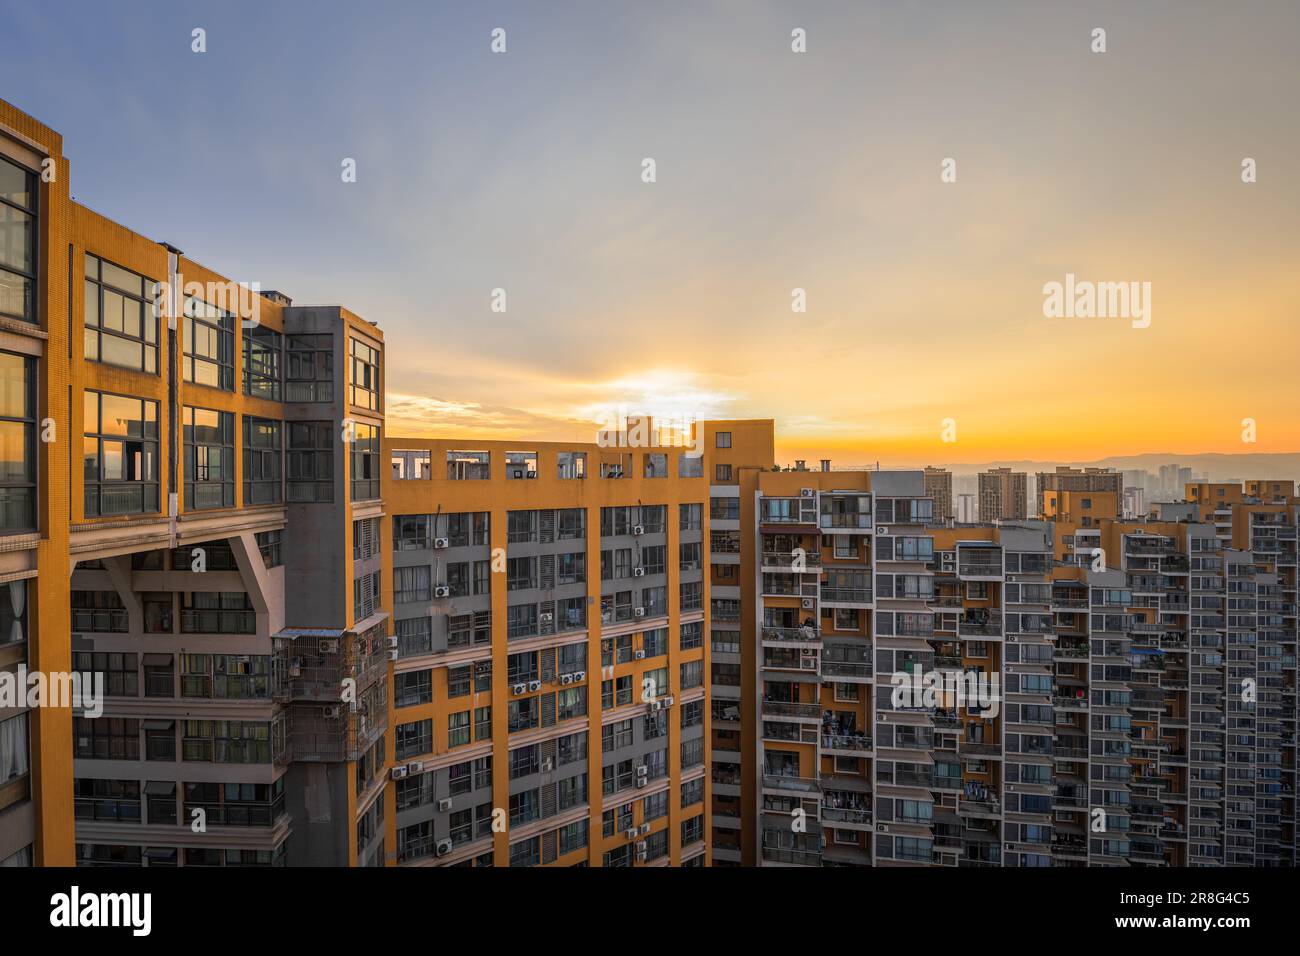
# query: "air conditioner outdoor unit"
[[442, 591], [547, 766], [331, 712], [329, 647], [808, 664], [579, 676], [392, 641], [641, 782], [639, 655], [882, 530], [392, 655], [638, 572], [566, 678], [546, 617], [444, 847], [414, 766], [645, 828], [444, 805], [642, 770], [399, 773], [641, 856], [807, 493], [807, 652], [656, 705], [633, 833], [667, 701], [638, 529], [518, 689], [642, 846], [534, 685], [441, 543], [638, 612], [809, 603]]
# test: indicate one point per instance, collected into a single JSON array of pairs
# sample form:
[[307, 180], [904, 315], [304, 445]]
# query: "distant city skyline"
[[522, 171]]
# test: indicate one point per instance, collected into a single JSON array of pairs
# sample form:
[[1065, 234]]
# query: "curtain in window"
[[18, 603], [13, 748]]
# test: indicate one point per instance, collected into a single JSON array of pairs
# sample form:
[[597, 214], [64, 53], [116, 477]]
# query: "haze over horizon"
[[775, 171]]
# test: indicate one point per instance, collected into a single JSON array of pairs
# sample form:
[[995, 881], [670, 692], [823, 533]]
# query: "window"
[[262, 368], [469, 465], [722, 473], [691, 517], [311, 462], [656, 465], [458, 729], [411, 465], [365, 462], [571, 464], [309, 371], [121, 316], [209, 459], [13, 749], [18, 232], [120, 455], [17, 440], [722, 440], [412, 584], [414, 738], [13, 613], [690, 466], [209, 345], [263, 459], [363, 380], [412, 688]]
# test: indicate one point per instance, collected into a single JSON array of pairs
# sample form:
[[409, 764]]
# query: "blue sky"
[[775, 171]]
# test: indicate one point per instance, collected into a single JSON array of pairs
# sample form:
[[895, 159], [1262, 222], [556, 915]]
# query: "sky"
[[924, 336]]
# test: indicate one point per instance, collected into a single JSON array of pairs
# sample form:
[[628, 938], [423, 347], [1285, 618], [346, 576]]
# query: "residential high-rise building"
[[967, 510], [1093, 480], [938, 487], [550, 701], [227, 441], [1003, 495]]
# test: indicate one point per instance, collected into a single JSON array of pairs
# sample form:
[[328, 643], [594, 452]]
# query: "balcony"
[[851, 596], [855, 744], [846, 670], [791, 784], [792, 635], [782, 708], [785, 561], [992, 627]]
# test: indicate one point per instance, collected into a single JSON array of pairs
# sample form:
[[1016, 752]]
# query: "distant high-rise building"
[[967, 509], [1003, 495], [938, 485]]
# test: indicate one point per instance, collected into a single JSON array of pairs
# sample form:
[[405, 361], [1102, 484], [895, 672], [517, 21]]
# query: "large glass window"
[[209, 459], [365, 462], [262, 371], [121, 316], [262, 461], [120, 454], [363, 381], [13, 613], [17, 442], [311, 461], [209, 345], [309, 370], [17, 242]]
